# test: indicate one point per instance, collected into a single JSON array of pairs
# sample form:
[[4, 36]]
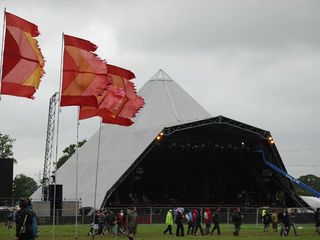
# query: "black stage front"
[[209, 162]]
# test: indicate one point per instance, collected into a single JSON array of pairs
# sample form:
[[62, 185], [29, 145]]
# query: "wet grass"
[[155, 232]]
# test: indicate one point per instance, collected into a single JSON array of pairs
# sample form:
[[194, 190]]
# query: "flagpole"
[[96, 180], [2, 47], [77, 172], [57, 141]]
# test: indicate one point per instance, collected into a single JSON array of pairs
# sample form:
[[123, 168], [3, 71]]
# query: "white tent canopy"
[[166, 104], [313, 202]]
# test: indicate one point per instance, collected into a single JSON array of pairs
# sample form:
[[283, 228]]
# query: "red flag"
[[119, 102], [85, 75], [22, 59]]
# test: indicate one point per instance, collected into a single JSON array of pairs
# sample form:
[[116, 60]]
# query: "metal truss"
[[220, 120], [49, 143]]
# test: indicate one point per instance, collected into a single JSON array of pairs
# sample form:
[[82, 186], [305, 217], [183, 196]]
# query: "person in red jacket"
[[120, 223], [197, 221], [207, 218]]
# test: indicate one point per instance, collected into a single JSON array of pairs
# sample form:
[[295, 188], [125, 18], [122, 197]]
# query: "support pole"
[[77, 173], [257, 217], [228, 215], [96, 180], [57, 141], [2, 47]]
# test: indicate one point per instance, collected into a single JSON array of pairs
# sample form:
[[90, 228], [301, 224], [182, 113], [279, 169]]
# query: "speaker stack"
[[55, 198]]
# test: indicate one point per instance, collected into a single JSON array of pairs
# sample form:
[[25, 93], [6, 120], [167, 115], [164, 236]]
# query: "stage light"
[[270, 139], [161, 134]]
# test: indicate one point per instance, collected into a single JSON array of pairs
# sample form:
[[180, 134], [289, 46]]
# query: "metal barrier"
[[157, 215]]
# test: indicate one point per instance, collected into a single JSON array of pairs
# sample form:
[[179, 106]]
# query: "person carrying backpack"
[[26, 221]]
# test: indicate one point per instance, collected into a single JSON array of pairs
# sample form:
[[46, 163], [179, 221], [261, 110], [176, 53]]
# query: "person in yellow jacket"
[[169, 222], [263, 215]]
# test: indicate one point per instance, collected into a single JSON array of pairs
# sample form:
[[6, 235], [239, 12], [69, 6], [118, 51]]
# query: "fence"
[[157, 215]]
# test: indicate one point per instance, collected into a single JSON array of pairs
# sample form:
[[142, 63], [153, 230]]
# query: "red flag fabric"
[[22, 59], [119, 102], [85, 75]]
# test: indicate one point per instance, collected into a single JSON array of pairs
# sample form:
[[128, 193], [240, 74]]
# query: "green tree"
[[312, 181], [23, 186], [6, 145], [68, 152]]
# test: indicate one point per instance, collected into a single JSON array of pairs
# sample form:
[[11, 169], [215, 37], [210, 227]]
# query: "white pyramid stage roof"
[[166, 104]]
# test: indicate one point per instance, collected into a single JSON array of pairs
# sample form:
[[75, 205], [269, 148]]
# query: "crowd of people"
[[281, 219], [124, 222], [121, 223], [194, 219]]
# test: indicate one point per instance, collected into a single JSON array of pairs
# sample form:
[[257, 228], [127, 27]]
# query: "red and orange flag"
[[119, 102], [22, 59], [85, 75]]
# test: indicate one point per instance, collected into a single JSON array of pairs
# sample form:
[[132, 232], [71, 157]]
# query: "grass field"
[[154, 232]]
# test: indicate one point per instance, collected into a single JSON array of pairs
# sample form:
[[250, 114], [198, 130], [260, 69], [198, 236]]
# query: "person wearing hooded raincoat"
[[197, 221], [179, 222], [169, 222]]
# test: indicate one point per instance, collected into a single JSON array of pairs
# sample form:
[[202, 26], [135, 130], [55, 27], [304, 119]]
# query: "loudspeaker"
[[6, 179], [266, 174], [55, 198]]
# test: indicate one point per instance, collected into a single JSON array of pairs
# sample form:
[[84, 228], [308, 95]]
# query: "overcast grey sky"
[[254, 61]]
